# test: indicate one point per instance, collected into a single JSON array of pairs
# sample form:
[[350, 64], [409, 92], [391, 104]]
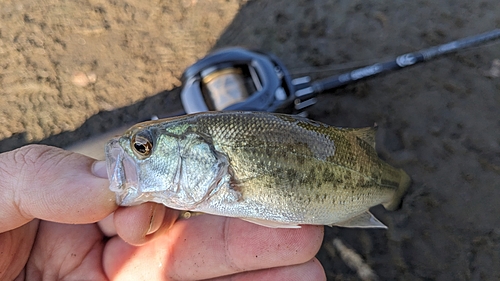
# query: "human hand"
[[55, 223]]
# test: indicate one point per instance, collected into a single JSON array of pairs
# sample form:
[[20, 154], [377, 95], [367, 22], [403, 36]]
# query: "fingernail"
[[99, 169], [156, 218]]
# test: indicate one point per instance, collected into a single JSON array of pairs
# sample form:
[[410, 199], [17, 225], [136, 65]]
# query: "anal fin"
[[271, 224], [364, 220]]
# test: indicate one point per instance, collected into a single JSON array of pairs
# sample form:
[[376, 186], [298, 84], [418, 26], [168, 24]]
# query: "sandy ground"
[[70, 70]]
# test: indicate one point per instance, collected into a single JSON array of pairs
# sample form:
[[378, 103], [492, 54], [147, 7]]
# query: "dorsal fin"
[[367, 134]]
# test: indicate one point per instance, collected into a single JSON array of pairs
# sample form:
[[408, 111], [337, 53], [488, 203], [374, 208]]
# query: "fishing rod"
[[403, 61], [240, 79]]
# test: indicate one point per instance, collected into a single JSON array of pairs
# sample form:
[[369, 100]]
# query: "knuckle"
[[13, 165], [31, 156], [35, 161], [18, 170], [21, 170], [26, 166]]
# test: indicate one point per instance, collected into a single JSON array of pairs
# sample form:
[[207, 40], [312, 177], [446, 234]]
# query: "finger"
[[139, 224], [15, 247], [107, 226], [210, 246], [311, 270], [66, 251], [52, 184]]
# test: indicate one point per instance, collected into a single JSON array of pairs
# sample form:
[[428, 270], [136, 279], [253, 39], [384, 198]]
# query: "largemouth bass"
[[271, 169]]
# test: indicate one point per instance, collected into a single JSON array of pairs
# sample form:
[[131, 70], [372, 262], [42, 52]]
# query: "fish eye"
[[142, 145]]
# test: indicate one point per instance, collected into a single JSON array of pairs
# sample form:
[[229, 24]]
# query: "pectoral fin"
[[365, 220], [272, 224]]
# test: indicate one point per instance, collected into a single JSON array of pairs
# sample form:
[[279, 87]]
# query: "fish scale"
[[271, 169]]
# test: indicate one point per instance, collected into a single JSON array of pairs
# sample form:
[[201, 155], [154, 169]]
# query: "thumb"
[[52, 184]]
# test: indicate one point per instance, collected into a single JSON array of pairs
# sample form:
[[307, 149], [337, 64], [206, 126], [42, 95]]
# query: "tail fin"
[[404, 183]]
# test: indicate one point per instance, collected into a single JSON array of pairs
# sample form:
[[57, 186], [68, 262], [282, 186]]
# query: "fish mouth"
[[122, 173]]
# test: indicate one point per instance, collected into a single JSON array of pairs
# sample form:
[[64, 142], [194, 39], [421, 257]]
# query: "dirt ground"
[[70, 70]]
